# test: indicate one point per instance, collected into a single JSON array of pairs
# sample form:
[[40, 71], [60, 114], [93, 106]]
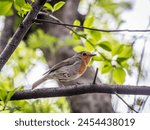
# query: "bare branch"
[[81, 89], [140, 63], [20, 32], [94, 29]]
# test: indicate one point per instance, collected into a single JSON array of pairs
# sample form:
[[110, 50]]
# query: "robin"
[[67, 70]]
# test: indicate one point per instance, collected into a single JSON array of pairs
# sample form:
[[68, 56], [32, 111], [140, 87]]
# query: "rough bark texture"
[[80, 103]]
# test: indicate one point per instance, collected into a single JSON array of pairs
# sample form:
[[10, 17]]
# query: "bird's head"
[[85, 56]]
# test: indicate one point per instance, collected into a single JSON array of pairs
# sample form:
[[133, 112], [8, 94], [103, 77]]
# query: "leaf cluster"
[[112, 55], [23, 7]]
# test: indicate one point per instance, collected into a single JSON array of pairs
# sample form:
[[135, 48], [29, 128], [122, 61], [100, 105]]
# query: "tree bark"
[[81, 103]]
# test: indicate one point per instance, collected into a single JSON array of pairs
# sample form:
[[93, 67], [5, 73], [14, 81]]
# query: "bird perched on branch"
[[67, 70]]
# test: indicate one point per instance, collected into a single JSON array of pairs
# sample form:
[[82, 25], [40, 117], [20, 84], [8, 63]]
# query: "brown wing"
[[66, 62]]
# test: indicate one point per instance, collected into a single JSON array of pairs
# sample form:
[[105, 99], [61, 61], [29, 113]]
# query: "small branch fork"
[[94, 82]]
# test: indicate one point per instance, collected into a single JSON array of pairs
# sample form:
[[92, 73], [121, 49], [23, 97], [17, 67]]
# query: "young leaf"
[[20, 3], [48, 6], [106, 68], [105, 45], [89, 21], [58, 5], [5, 8], [76, 22], [89, 46], [11, 93], [98, 58], [118, 75], [121, 59], [95, 35], [116, 48], [22, 7], [79, 49], [3, 94], [126, 51]]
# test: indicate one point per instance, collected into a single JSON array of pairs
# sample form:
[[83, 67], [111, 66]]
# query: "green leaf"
[[98, 58], [123, 62], [10, 94], [79, 49], [126, 52], [95, 35], [92, 40], [3, 94], [118, 75], [106, 68], [105, 45], [20, 3], [5, 7], [58, 5], [76, 22], [48, 6], [139, 101], [121, 59], [116, 48], [75, 36], [89, 21], [22, 7], [88, 46]]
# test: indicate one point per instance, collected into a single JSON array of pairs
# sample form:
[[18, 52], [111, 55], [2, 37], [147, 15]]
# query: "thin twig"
[[143, 105], [69, 28], [140, 63], [94, 29], [61, 22], [125, 102], [95, 77], [144, 102], [139, 71]]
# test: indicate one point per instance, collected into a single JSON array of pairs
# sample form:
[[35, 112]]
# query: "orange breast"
[[82, 68]]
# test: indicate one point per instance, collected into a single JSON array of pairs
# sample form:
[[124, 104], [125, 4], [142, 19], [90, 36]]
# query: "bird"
[[67, 70]]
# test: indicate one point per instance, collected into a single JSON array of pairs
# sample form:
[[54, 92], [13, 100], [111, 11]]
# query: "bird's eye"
[[84, 54]]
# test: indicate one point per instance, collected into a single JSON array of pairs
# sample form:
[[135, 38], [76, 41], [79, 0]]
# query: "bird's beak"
[[92, 55]]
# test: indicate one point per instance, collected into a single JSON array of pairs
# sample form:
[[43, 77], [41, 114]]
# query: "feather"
[[38, 82]]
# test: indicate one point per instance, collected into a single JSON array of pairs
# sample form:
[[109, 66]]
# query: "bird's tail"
[[38, 82]]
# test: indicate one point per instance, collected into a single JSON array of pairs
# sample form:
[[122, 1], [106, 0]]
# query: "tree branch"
[[94, 29], [20, 32], [81, 89]]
